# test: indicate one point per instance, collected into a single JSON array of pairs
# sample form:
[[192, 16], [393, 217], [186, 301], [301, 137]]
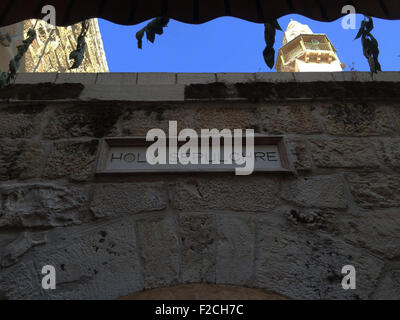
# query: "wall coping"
[[171, 86]]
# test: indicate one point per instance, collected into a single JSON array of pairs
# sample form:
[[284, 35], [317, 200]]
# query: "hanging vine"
[[269, 34], [154, 27], [79, 53], [369, 44], [7, 77]]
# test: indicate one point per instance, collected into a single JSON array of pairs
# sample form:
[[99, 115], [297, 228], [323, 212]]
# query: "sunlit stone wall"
[[50, 51]]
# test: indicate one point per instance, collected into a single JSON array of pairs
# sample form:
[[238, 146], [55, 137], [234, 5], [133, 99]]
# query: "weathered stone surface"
[[357, 119], [97, 262], [275, 76], [389, 287], [377, 230], [235, 77], [342, 153], [20, 159], [388, 151], [127, 198], [375, 190], [84, 120], [20, 121], [317, 191], [42, 205], [307, 265], [23, 243], [134, 93], [22, 281], [300, 154], [138, 121], [75, 160], [160, 254], [191, 78], [255, 193], [235, 251], [160, 78], [50, 52], [289, 119], [198, 237], [313, 218]]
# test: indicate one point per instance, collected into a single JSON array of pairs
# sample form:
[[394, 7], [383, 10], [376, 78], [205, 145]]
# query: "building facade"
[[52, 47], [114, 235]]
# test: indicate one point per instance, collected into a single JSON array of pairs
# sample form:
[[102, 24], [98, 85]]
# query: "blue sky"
[[233, 45]]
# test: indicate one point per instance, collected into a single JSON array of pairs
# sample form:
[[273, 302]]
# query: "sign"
[[128, 155]]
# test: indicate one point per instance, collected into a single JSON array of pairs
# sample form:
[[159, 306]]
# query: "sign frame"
[[138, 141]]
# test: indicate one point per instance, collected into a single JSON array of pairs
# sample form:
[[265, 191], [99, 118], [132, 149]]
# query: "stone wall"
[[291, 234]]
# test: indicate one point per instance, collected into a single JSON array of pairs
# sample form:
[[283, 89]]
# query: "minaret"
[[50, 51], [302, 50]]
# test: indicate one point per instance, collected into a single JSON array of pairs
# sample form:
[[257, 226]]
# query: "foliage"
[[7, 77], [79, 54], [154, 27], [269, 34], [369, 44]]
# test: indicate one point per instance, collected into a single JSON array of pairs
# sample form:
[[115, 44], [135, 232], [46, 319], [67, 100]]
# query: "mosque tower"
[[302, 50]]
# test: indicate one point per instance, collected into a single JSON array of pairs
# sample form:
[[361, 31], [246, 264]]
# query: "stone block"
[[388, 151], [275, 77], [156, 78], [235, 77], [387, 76], [198, 237], [21, 282], [84, 78], [153, 92], [21, 121], [235, 250], [342, 153], [250, 193], [111, 200], [316, 191], [117, 78], [375, 190], [74, 160], [352, 76], [357, 119], [298, 149], [42, 205], [93, 262], [307, 265], [160, 252], [313, 76], [196, 78], [20, 246], [84, 120], [375, 230], [138, 121], [20, 159], [289, 119], [36, 77]]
